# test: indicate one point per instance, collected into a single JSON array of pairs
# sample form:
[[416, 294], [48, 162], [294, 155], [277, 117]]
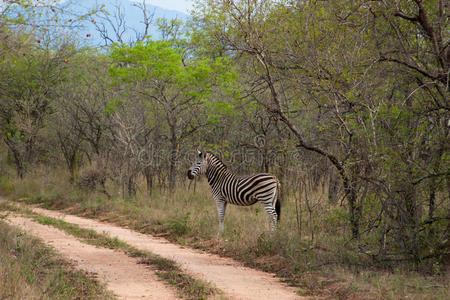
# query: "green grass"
[[31, 270], [318, 259]]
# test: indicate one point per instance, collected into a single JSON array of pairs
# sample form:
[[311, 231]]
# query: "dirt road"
[[232, 278], [122, 274]]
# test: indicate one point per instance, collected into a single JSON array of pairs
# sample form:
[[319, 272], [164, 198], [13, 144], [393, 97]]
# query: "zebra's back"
[[249, 189]]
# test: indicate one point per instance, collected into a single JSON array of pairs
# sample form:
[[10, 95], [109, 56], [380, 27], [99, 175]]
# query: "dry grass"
[[31, 270], [318, 259]]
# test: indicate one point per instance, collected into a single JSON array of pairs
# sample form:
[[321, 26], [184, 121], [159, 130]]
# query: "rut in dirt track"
[[235, 280]]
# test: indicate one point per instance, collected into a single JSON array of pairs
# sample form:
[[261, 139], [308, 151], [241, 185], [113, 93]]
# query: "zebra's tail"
[[278, 203]]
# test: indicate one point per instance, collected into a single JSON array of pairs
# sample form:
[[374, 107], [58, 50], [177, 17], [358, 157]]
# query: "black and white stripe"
[[229, 188]]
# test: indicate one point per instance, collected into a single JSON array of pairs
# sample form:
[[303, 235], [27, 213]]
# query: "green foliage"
[[161, 63], [113, 106]]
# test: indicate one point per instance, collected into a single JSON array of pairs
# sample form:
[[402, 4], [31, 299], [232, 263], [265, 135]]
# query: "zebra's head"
[[199, 166]]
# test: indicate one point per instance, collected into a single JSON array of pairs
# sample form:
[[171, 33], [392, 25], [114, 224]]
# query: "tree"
[[133, 133], [112, 25], [34, 56], [79, 123], [333, 73], [174, 86], [412, 38], [283, 64], [27, 89]]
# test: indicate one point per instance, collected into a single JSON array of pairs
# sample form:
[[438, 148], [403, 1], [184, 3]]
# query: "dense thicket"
[[348, 95]]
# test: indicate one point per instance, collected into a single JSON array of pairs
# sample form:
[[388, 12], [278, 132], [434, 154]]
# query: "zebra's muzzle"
[[190, 175]]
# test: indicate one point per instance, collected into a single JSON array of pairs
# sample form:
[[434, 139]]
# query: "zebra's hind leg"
[[273, 221], [269, 207], [221, 208]]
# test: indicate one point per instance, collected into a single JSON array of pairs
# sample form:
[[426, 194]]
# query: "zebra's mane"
[[217, 161]]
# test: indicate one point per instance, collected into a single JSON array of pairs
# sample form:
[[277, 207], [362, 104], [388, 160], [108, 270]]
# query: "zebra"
[[229, 188]]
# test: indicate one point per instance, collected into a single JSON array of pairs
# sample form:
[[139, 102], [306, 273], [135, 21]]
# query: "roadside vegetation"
[[320, 263], [31, 270], [346, 102]]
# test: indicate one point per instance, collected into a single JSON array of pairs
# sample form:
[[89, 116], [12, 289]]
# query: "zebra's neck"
[[217, 172]]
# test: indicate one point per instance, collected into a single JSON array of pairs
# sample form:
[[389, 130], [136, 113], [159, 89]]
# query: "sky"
[[180, 5]]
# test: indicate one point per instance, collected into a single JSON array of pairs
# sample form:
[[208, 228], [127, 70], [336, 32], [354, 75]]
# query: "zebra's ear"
[[199, 153]]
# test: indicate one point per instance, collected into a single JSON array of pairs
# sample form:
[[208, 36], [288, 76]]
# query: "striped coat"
[[229, 188]]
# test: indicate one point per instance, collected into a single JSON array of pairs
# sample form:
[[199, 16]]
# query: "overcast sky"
[[180, 5]]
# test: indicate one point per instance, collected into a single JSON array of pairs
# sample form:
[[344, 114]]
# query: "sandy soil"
[[235, 280], [122, 274]]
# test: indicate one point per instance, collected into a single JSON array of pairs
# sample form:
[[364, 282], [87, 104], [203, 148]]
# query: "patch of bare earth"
[[123, 275], [234, 279]]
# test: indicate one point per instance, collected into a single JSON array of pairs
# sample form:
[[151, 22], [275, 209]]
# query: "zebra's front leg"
[[221, 208]]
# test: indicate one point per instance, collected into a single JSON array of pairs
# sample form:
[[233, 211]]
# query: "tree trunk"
[[412, 221], [148, 180], [333, 188], [71, 165], [19, 164], [354, 212], [131, 187], [20, 170], [431, 205], [265, 161], [173, 156]]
